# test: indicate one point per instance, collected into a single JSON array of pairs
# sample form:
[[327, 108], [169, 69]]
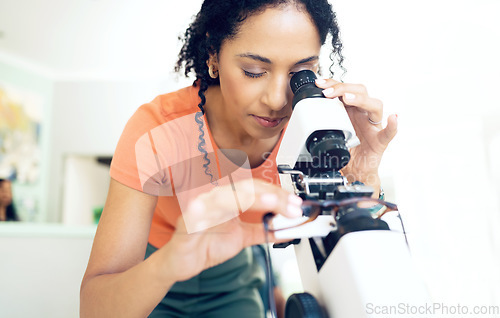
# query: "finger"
[[373, 107], [389, 132], [341, 89], [325, 82], [271, 198], [355, 95], [254, 198], [369, 112]]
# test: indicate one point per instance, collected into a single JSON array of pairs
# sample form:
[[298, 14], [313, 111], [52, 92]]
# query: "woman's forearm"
[[132, 293]]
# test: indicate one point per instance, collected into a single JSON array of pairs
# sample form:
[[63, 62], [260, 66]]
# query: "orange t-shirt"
[[160, 152]]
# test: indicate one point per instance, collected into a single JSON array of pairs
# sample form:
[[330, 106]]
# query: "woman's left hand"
[[366, 115]]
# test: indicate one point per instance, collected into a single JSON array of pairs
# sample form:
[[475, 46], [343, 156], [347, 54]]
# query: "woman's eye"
[[253, 75]]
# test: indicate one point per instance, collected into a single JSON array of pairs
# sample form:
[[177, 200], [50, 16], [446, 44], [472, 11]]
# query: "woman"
[[168, 163], [7, 210]]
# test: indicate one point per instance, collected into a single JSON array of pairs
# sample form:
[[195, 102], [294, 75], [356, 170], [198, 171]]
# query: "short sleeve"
[[135, 156], [159, 136]]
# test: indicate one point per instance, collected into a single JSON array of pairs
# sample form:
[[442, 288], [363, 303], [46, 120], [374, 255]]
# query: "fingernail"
[[349, 96], [293, 211], [269, 199], [320, 81], [295, 200], [329, 92]]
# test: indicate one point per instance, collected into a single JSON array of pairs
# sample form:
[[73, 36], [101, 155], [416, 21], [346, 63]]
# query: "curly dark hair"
[[219, 20]]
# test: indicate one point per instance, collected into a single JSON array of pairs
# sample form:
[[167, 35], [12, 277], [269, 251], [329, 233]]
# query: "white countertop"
[[25, 229]]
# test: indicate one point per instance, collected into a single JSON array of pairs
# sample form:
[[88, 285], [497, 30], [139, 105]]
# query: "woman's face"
[[255, 68], [5, 193]]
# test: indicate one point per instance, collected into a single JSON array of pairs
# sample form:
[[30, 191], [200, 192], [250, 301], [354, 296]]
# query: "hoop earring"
[[213, 74]]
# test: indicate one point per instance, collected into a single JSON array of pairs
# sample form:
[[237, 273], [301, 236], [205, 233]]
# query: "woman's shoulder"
[[169, 110], [173, 105]]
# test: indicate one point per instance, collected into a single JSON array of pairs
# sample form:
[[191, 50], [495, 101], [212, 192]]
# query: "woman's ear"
[[213, 65]]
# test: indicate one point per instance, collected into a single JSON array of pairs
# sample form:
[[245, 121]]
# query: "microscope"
[[351, 262]]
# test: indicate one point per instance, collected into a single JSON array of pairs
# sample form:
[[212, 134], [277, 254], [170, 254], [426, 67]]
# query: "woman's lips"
[[268, 122]]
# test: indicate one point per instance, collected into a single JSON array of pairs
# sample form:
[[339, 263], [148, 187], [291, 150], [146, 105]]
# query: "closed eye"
[[253, 75]]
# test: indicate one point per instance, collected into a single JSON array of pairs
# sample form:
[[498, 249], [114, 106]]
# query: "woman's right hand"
[[117, 275], [187, 254]]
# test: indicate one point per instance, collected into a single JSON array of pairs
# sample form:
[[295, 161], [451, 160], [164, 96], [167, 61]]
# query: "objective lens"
[[328, 149]]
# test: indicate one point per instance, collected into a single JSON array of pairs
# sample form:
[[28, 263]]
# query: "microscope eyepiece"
[[302, 78], [303, 86]]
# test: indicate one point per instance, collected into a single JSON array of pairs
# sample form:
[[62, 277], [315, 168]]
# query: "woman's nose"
[[277, 93]]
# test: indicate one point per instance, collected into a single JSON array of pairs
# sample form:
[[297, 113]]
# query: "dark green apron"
[[227, 290]]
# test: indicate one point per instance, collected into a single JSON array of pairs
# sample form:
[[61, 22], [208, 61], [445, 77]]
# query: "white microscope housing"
[[366, 270]]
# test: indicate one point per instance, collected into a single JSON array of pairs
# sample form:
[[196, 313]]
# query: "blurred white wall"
[[435, 64]]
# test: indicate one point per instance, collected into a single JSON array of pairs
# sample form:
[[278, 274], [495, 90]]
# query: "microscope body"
[[366, 272], [354, 268]]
